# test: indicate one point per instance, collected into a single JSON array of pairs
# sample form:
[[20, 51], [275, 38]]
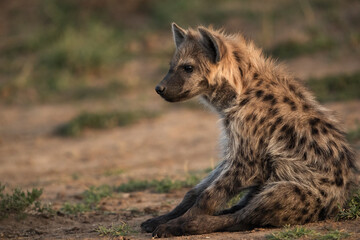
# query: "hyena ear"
[[212, 44], [178, 34]]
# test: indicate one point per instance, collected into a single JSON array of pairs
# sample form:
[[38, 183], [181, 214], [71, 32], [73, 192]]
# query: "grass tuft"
[[100, 121], [352, 210], [288, 233], [19, 202], [336, 88], [334, 235], [115, 230], [90, 200], [300, 232]]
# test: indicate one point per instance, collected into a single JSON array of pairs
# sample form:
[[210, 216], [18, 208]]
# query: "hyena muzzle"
[[279, 144]]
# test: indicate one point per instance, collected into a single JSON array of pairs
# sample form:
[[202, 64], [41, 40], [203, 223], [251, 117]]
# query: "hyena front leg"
[[189, 200], [214, 196]]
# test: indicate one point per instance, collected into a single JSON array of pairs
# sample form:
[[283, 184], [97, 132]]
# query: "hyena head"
[[196, 57]]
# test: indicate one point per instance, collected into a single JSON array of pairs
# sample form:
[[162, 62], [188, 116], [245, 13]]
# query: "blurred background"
[[77, 100]]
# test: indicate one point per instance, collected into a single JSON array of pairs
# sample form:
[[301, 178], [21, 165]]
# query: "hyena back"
[[278, 142]]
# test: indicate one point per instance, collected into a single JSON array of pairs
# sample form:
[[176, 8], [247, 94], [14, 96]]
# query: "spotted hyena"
[[279, 144]]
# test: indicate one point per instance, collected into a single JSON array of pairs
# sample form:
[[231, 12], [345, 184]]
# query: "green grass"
[[336, 88], [334, 235], [159, 186], [90, 200], [292, 48], [115, 230], [235, 200], [352, 210], [100, 121], [19, 202], [288, 233], [299, 232]]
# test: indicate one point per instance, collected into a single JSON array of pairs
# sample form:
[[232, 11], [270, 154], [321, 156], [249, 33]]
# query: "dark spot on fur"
[[255, 129], [324, 181], [244, 102], [323, 193], [314, 121], [268, 97], [322, 214], [305, 107], [285, 219], [259, 93], [262, 120], [314, 131], [286, 100], [292, 88], [324, 130], [241, 72], [304, 211], [256, 75], [297, 190], [298, 219], [304, 156], [339, 181], [237, 56], [273, 111], [270, 194], [302, 141]]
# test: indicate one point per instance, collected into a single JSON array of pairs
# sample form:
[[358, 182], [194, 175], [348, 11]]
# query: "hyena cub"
[[279, 144]]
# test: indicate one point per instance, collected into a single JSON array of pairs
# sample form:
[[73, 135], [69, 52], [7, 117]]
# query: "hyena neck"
[[221, 96]]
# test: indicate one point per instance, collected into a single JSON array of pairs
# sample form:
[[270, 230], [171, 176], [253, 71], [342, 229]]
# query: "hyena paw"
[[168, 230], [151, 224]]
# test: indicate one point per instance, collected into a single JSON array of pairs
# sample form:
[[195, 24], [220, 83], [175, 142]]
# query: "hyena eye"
[[188, 68]]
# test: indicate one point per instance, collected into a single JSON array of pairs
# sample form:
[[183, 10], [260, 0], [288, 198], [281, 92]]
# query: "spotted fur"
[[278, 142]]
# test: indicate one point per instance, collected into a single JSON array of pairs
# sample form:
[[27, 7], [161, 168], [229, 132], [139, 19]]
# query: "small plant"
[[18, 202], [299, 232], [91, 198], [352, 210], [334, 235], [100, 121], [288, 233], [115, 230]]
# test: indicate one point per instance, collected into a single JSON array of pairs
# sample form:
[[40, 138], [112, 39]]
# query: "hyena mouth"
[[176, 97]]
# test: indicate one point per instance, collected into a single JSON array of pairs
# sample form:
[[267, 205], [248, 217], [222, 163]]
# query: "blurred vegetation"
[[73, 50], [336, 88], [100, 121], [159, 186]]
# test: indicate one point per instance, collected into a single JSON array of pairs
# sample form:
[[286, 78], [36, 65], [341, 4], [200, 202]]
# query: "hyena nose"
[[159, 89]]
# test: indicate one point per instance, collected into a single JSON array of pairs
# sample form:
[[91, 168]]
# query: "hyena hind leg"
[[278, 204]]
